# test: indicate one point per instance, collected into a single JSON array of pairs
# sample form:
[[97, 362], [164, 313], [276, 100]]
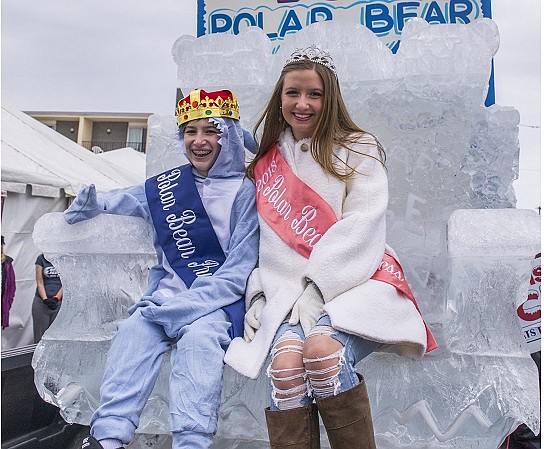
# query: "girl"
[[328, 291], [48, 297]]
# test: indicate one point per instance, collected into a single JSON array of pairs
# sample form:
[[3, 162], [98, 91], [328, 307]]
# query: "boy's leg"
[[132, 367], [196, 380]]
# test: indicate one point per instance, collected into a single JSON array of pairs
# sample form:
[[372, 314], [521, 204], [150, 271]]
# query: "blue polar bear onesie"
[[196, 320]]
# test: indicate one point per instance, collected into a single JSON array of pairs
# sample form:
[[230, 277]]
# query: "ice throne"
[[466, 250]]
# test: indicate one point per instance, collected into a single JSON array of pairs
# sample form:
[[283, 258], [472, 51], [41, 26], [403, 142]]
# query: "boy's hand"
[[145, 302], [85, 206], [307, 308], [251, 319]]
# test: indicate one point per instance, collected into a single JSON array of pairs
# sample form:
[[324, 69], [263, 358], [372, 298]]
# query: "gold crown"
[[201, 104]]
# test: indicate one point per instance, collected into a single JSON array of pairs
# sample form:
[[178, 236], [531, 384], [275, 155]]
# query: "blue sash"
[[185, 232]]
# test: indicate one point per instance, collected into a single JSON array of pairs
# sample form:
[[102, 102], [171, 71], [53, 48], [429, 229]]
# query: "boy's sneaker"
[[90, 442]]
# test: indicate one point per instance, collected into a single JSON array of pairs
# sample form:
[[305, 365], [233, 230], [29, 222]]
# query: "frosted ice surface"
[[111, 235], [492, 233], [449, 52], [445, 150], [480, 383], [228, 62], [103, 265], [164, 147]]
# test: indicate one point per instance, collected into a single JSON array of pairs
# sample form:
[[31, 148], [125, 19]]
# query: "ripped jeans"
[[321, 365]]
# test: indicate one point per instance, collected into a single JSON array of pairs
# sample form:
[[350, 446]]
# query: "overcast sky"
[[114, 56]]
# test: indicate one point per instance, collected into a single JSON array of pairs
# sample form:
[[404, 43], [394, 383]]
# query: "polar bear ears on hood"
[[249, 142], [221, 108]]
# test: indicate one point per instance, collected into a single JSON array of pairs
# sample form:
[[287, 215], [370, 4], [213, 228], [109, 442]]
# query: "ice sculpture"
[[448, 156], [166, 151], [104, 266], [476, 388]]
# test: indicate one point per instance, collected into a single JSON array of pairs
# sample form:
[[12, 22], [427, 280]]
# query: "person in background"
[[48, 297], [8, 285]]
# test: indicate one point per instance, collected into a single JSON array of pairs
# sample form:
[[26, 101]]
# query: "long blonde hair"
[[335, 126]]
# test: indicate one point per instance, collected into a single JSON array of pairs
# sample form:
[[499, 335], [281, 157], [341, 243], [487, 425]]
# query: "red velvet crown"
[[202, 104]]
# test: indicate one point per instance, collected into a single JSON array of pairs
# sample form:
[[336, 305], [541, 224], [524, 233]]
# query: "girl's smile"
[[302, 101]]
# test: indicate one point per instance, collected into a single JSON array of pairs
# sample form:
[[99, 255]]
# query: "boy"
[[206, 238]]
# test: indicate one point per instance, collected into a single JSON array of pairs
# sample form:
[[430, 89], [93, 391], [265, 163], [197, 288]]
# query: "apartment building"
[[98, 131]]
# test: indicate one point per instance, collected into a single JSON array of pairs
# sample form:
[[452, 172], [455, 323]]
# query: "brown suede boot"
[[347, 419], [297, 428]]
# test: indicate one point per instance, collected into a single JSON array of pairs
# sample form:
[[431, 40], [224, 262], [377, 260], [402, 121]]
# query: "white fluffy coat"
[[341, 263]]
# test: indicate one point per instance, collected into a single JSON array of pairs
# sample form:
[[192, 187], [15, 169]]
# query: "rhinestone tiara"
[[314, 54]]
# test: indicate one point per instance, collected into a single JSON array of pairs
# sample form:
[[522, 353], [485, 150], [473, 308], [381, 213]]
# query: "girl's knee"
[[287, 352], [319, 346], [286, 371], [323, 357]]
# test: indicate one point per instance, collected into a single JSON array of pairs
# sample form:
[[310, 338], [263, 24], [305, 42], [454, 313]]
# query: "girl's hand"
[[307, 308], [251, 319]]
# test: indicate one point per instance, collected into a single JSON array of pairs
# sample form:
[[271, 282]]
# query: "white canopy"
[[126, 159], [40, 169], [36, 155]]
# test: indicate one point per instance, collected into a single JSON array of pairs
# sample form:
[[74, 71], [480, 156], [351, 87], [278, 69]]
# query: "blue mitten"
[[147, 301], [87, 205], [168, 315]]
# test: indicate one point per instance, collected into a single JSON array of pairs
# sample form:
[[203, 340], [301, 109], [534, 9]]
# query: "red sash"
[[391, 272], [300, 217]]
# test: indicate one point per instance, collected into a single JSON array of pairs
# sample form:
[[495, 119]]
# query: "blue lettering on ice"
[[381, 18], [463, 13], [377, 18], [290, 23], [248, 18], [433, 14], [220, 23], [319, 14], [405, 11]]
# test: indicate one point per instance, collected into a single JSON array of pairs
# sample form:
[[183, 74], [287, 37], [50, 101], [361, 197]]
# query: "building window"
[[136, 138]]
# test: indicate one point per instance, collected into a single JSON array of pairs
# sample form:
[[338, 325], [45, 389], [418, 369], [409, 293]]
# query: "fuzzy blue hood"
[[232, 138]]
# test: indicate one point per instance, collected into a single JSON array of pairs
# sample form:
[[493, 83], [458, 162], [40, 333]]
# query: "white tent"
[[127, 159], [40, 170]]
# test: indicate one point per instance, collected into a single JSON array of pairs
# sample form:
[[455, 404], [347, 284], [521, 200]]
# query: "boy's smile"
[[201, 139]]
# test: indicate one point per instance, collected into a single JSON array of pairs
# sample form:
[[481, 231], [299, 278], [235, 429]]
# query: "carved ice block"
[[445, 151], [481, 383], [103, 264]]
